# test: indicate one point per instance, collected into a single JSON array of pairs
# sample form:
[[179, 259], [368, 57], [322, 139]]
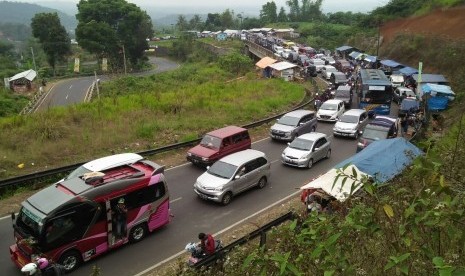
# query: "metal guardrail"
[[37, 175], [259, 232]]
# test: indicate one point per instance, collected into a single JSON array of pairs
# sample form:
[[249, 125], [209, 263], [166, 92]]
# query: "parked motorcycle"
[[41, 266], [197, 253]]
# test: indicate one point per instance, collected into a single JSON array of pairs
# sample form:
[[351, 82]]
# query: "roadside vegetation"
[[135, 114]]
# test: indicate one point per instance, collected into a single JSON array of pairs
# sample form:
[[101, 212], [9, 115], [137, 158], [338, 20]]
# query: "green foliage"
[[235, 63], [11, 104], [143, 112], [47, 28], [113, 28], [268, 13]]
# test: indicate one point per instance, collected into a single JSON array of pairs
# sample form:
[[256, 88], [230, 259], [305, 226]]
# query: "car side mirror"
[[13, 216], [237, 176], [316, 149]]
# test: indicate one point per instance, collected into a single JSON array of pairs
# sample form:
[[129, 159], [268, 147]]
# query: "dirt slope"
[[449, 23]]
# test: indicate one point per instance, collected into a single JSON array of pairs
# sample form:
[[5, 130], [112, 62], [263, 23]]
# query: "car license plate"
[[202, 196]]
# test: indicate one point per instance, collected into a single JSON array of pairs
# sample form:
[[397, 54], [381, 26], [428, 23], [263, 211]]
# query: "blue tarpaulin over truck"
[[384, 159]]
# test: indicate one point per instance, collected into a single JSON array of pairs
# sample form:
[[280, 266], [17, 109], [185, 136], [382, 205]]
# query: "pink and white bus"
[[73, 221]]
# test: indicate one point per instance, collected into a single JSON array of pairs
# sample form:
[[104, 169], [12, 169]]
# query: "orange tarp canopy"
[[265, 62]]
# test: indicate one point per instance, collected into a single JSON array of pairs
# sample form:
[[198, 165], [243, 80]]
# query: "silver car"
[[232, 175], [293, 124], [351, 123], [306, 150]]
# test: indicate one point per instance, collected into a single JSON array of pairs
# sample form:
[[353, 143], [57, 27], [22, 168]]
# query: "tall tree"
[[213, 22], [182, 24], [47, 28], [196, 23], [227, 19], [111, 28], [294, 10], [268, 13], [282, 17]]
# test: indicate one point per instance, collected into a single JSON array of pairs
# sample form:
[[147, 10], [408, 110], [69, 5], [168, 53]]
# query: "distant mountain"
[[22, 13]]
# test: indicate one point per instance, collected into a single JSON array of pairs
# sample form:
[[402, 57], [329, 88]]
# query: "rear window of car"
[[222, 169]]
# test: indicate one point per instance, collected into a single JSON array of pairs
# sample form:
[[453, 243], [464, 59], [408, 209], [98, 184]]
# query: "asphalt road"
[[73, 91], [193, 215]]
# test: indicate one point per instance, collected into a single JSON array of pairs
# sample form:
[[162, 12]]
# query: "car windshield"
[[328, 106], [375, 134], [331, 69], [211, 142], [301, 144], [222, 169], [288, 121], [349, 119], [80, 171], [343, 93], [29, 223]]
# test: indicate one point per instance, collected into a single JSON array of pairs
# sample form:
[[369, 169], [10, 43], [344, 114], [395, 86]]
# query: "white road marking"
[[66, 96], [174, 200], [218, 233], [71, 86]]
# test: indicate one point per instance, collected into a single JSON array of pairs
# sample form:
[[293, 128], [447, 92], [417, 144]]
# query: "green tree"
[[213, 22], [294, 10], [268, 13], [235, 63], [182, 24], [107, 27], [227, 19], [46, 27], [282, 16], [196, 23]]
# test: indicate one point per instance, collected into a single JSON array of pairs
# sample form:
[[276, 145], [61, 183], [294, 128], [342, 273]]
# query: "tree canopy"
[[46, 27], [106, 28]]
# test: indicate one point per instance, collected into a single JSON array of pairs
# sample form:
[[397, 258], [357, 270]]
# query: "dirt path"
[[449, 23]]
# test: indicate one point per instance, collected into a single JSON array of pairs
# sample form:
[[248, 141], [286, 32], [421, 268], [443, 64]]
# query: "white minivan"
[[330, 111]]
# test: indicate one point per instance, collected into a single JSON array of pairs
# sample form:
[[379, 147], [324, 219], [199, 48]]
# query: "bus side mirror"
[[13, 216]]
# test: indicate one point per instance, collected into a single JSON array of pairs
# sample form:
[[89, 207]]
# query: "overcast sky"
[[239, 6]]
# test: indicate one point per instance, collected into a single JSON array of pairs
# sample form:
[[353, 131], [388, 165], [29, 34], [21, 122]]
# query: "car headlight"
[[205, 159], [305, 157]]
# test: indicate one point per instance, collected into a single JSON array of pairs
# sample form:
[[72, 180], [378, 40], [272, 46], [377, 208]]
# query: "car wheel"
[[226, 198], [328, 154], [70, 260], [310, 163], [262, 183], [138, 232]]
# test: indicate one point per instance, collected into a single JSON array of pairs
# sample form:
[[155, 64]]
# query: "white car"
[[306, 150], [327, 70], [285, 53], [105, 163], [330, 111]]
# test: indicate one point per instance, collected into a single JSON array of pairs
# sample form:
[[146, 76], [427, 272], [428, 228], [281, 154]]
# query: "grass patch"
[[134, 114]]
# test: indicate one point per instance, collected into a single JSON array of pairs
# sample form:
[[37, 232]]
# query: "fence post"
[[262, 238]]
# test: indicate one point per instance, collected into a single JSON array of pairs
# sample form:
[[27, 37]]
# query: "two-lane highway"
[[193, 215]]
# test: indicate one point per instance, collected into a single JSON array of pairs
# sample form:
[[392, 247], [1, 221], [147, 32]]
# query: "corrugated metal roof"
[[29, 75], [283, 65]]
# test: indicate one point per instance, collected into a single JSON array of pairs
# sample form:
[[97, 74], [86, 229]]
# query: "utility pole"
[[34, 59], [124, 61], [377, 48]]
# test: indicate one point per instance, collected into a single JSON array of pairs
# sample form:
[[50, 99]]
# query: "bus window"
[[145, 196], [68, 226]]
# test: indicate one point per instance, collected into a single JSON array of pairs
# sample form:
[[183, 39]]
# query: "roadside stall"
[[264, 64], [398, 153], [438, 96], [283, 70]]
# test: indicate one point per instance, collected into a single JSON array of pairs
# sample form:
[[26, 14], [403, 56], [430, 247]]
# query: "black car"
[[344, 93]]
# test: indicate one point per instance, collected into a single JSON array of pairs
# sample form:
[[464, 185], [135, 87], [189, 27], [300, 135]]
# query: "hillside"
[[449, 23], [22, 13]]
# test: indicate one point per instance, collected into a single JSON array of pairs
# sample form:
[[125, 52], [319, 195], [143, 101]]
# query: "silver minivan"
[[306, 150], [232, 175], [351, 123]]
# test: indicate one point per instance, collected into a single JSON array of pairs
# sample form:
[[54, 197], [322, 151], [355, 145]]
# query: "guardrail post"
[[262, 238]]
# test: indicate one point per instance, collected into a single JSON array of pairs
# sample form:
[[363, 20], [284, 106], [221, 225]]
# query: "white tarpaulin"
[[283, 65], [337, 190]]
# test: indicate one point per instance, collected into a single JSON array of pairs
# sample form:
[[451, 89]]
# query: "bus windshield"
[[29, 223]]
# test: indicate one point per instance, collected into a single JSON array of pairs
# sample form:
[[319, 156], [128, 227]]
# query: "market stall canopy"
[[344, 48], [339, 189], [408, 71], [438, 88], [354, 54], [265, 62], [441, 95], [283, 65], [29, 75], [397, 154], [391, 63], [371, 58]]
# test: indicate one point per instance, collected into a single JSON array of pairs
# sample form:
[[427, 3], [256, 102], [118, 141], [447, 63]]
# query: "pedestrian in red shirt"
[[207, 243]]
